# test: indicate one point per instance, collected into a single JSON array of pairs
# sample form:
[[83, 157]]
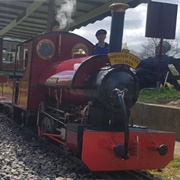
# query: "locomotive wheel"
[[47, 125]]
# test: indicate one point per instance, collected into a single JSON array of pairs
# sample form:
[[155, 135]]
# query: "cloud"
[[89, 31], [135, 18]]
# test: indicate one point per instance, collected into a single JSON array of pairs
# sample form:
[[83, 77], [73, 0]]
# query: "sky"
[[134, 26]]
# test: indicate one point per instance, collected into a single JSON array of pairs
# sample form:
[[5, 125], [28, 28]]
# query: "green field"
[[160, 95]]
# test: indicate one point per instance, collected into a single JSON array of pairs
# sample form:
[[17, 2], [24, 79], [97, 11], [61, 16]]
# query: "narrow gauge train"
[[83, 101]]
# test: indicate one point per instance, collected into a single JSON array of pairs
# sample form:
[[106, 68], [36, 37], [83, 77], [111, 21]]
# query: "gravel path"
[[23, 157]]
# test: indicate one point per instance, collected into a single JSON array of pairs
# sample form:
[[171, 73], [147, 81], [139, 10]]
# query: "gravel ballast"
[[26, 157]]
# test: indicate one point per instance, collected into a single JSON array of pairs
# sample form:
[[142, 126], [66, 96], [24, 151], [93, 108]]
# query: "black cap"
[[101, 31]]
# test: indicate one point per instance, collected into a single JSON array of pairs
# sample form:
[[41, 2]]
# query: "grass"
[[159, 95], [169, 172], [163, 95]]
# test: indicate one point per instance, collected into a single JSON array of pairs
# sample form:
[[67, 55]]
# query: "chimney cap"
[[118, 7]]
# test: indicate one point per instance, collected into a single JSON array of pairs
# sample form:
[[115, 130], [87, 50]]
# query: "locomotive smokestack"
[[117, 24]]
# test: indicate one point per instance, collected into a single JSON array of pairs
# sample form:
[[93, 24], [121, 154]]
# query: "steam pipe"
[[117, 25], [119, 149]]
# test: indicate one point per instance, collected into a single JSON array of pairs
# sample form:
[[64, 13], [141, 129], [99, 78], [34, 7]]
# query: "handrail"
[[9, 66]]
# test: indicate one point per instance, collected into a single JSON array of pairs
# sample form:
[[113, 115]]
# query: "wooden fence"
[[174, 73]]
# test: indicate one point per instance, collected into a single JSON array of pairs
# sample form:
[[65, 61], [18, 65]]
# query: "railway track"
[[129, 175], [143, 175], [134, 175]]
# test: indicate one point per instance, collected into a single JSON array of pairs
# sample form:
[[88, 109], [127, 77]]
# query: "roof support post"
[[51, 13]]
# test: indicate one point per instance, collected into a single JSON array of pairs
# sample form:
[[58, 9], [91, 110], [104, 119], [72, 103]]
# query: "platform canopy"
[[23, 19]]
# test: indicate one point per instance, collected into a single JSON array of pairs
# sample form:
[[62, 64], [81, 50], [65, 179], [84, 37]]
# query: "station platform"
[[157, 117]]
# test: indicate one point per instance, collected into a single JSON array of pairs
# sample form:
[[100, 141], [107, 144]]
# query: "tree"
[[148, 49], [132, 51]]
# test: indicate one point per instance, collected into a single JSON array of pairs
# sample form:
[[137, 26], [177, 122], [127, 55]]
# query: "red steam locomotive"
[[83, 101]]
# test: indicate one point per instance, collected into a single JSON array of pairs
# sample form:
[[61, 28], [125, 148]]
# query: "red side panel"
[[72, 72], [60, 73], [23, 94], [98, 153]]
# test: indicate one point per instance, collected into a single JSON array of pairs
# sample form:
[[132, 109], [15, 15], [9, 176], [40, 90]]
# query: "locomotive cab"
[[39, 53]]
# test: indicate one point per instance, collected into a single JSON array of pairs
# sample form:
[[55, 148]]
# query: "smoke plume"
[[65, 12]]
